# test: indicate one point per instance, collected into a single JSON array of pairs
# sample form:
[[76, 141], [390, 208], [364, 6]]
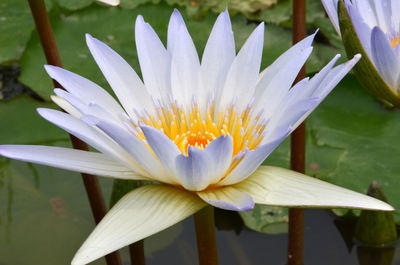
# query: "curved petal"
[[283, 187], [91, 136], [185, 68], [218, 56], [136, 148], [384, 57], [331, 9], [64, 105], [163, 148], [244, 72], [154, 60], [227, 198], [122, 78], [84, 89], [139, 214], [252, 159], [175, 22], [203, 167], [69, 159]]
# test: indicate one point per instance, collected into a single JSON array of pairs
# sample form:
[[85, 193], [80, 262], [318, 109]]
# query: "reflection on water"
[[44, 212]]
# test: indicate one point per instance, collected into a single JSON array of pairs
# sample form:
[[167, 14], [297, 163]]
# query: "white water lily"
[[110, 2], [200, 129], [377, 23]]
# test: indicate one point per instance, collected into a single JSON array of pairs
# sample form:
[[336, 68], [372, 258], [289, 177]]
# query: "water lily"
[[200, 129], [377, 26], [110, 2]]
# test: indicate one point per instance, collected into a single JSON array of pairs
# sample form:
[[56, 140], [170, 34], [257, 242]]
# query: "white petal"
[[283, 187], [243, 74], [185, 69], [251, 161], [334, 76], [91, 136], [122, 78], [63, 104], [139, 214], [365, 10], [69, 159], [363, 29], [285, 59], [279, 85], [175, 22], [203, 167], [385, 59], [227, 198], [154, 60], [218, 56], [110, 2], [136, 148], [331, 9], [84, 89], [163, 148]]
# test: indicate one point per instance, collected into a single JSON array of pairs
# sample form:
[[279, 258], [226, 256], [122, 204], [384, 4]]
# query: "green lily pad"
[[21, 124], [74, 4], [266, 219]]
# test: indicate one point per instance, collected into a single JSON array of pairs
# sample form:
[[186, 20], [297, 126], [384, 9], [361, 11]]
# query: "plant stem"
[[297, 158], [205, 234], [136, 251], [91, 183]]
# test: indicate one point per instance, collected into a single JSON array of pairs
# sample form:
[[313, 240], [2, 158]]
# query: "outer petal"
[[331, 10], [154, 60], [91, 136], [228, 198], [136, 148], [84, 89], [283, 187], [175, 22], [126, 84], [139, 214], [203, 167], [218, 56], [384, 57], [70, 159], [244, 71]]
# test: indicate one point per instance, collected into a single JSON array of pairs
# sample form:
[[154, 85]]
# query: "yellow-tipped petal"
[[283, 187], [139, 214]]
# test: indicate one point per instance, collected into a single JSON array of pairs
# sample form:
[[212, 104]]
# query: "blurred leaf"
[[74, 4], [21, 124]]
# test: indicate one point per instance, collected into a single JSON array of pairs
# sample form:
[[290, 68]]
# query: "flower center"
[[196, 128], [395, 41]]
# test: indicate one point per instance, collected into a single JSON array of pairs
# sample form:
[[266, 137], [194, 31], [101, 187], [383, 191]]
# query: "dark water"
[[45, 217]]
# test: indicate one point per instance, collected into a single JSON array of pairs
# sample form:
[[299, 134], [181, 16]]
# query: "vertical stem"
[[205, 235], [297, 158], [136, 251], [91, 183]]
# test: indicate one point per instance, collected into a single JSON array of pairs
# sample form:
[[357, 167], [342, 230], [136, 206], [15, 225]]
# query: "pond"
[[45, 217]]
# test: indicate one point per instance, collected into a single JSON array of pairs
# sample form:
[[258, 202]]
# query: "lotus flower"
[[377, 26], [199, 129]]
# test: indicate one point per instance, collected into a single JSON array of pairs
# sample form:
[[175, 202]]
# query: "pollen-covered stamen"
[[395, 41], [196, 128]]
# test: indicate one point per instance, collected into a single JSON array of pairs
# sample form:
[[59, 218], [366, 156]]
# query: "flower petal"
[[252, 159], [122, 78], [84, 89], [175, 22], [91, 136], [384, 57], [70, 159], [282, 187], [227, 198], [154, 60], [218, 56], [244, 72], [139, 214], [331, 9], [163, 148], [203, 167], [135, 147]]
